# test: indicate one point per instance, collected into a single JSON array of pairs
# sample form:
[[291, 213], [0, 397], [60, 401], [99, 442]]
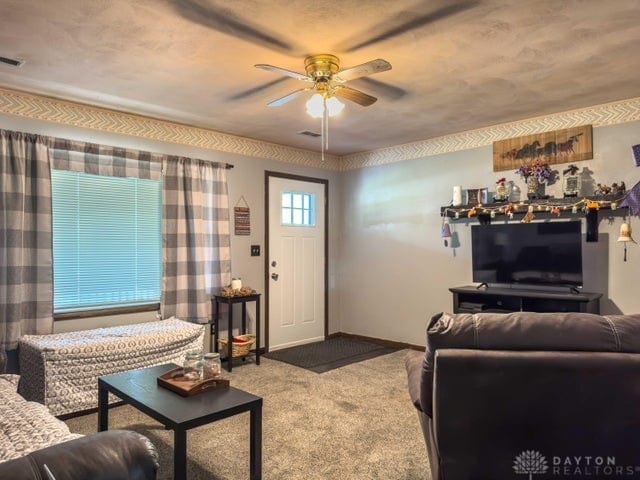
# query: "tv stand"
[[471, 299]]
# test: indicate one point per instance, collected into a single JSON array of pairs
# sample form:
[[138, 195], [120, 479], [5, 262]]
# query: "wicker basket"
[[238, 349]]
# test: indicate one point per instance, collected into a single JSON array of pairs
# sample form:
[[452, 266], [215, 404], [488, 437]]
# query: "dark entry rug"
[[320, 357]]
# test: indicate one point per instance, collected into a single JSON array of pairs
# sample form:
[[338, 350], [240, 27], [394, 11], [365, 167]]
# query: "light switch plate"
[[255, 250]]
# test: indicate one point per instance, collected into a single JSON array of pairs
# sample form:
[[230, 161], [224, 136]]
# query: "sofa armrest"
[[413, 363], [111, 455]]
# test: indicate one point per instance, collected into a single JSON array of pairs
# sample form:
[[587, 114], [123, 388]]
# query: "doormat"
[[320, 357]]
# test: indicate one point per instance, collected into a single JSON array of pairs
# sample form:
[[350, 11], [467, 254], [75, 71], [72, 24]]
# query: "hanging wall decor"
[[241, 217], [636, 154], [560, 146]]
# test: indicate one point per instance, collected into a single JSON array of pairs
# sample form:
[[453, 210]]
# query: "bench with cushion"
[[61, 370]]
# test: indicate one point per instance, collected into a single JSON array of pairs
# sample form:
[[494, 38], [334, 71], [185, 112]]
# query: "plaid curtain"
[[195, 236], [26, 267], [105, 160]]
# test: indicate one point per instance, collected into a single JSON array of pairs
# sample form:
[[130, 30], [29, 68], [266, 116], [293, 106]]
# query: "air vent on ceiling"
[[12, 62], [309, 134]]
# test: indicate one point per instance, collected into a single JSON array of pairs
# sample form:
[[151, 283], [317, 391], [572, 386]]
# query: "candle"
[[236, 284], [457, 196]]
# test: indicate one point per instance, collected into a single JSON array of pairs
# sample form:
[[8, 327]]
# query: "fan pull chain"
[[324, 128]]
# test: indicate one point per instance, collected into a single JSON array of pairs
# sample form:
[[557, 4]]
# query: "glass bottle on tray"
[[192, 368], [211, 365]]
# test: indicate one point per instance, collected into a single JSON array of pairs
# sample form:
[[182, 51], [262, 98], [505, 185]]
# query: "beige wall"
[[394, 268], [245, 179], [388, 268]]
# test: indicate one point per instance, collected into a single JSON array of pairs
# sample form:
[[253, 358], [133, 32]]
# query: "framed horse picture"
[[560, 146]]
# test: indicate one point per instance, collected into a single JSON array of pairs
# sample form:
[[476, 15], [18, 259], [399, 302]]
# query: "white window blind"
[[106, 241]]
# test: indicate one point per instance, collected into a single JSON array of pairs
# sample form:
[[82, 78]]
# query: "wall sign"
[[560, 146], [242, 217]]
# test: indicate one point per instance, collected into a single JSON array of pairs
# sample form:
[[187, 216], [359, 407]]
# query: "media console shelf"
[[470, 299]]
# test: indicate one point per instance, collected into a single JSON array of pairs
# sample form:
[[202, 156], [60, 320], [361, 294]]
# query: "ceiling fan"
[[323, 71]]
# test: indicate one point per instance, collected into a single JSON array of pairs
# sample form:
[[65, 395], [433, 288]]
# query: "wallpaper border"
[[49, 109], [65, 112], [599, 115]]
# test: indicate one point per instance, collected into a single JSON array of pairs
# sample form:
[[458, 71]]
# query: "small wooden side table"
[[216, 300]]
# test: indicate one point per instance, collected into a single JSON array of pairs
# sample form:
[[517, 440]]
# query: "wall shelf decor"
[[550, 207]]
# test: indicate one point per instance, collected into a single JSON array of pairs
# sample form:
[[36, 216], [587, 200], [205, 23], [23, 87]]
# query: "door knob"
[[274, 263], [274, 276]]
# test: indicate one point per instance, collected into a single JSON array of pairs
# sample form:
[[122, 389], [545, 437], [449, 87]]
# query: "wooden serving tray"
[[174, 381]]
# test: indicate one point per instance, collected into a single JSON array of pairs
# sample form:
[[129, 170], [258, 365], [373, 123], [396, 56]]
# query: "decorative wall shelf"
[[541, 208]]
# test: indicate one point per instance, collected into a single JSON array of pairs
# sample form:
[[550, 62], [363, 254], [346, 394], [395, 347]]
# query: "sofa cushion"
[[526, 331], [26, 426]]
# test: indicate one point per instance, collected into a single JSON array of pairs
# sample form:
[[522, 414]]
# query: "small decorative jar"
[[211, 366], [192, 368]]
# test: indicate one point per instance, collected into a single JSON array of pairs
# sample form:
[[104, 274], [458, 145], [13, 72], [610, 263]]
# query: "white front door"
[[296, 262]]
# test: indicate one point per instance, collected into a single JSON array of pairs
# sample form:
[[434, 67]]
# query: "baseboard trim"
[[379, 341]]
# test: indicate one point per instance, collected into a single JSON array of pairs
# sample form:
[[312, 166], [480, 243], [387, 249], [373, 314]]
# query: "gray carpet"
[[320, 357], [355, 422]]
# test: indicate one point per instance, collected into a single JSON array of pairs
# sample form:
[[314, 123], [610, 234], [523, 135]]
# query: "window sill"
[[106, 311]]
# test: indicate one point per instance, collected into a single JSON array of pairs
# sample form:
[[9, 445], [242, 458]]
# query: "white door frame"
[[268, 174]]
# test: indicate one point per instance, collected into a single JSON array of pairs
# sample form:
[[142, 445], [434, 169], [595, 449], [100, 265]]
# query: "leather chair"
[[110, 455], [499, 395]]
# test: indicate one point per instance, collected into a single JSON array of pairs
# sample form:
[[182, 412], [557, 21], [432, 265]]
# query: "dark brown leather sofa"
[[529, 395], [112, 455]]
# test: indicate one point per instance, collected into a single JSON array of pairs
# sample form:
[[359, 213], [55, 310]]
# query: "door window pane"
[[298, 209]]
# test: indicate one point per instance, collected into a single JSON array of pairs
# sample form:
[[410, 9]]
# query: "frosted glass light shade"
[[315, 106], [334, 106]]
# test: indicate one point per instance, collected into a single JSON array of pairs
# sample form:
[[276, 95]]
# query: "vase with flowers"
[[535, 175]]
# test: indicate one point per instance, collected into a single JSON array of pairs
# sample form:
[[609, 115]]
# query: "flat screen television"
[[536, 254]]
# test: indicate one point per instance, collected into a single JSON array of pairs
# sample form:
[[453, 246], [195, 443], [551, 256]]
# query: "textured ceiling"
[[457, 65]]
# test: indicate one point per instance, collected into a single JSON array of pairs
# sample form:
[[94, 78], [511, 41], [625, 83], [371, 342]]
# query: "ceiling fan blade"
[[225, 21], [409, 21], [287, 98], [383, 89], [354, 95], [252, 91], [369, 68], [284, 71]]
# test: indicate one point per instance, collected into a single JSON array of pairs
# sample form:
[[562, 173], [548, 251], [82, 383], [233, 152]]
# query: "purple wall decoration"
[[632, 200], [636, 154]]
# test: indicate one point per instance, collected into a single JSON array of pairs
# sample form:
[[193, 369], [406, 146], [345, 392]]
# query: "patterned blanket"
[[26, 426]]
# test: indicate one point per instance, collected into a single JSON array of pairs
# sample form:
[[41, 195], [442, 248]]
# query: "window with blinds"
[[106, 241]]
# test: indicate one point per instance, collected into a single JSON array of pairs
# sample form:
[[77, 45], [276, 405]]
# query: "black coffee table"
[[139, 388]]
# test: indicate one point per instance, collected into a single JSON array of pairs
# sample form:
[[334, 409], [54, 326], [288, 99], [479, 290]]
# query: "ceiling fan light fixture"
[[317, 103], [334, 106]]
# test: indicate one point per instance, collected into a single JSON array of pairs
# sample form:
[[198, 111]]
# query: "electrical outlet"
[[255, 250]]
